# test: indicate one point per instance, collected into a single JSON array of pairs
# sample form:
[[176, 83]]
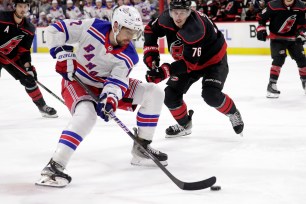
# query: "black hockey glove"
[[158, 74], [300, 38], [151, 56], [32, 71], [261, 33]]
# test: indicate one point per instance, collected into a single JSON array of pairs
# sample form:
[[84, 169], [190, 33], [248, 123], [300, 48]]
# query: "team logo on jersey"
[[7, 29], [110, 48], [287, 25], [176, 49], [10, 45]]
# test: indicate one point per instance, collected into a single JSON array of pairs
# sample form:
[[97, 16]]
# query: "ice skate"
[[141, 158], [237, 122], [178, 130], [272, 91], [53, 176], [47, 112]]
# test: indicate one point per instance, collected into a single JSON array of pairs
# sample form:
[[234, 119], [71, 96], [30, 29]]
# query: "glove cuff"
[[261, 28], [147, 49], [64, 55], [55, 50]]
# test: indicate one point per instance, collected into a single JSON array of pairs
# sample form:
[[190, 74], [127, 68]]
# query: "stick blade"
[[199, 185]]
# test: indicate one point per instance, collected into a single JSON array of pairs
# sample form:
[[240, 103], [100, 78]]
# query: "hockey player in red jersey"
[[16, 38], [199, 50], [287, 32], [103, 61]]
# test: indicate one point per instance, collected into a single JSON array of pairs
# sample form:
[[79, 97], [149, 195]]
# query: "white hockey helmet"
[[129, 17]]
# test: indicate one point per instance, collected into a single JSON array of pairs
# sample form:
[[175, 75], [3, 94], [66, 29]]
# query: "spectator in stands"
[[119, 3], [44, 6], [233, 10], [144, 8], [89, 9], [72, 11], [56, 11], [3, 5], [127, 2], [193, 5], [250, 14], [98, 10], [107, 11], [50, 19], [42, 21]]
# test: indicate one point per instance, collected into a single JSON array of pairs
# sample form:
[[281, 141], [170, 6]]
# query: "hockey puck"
[[215, 188]]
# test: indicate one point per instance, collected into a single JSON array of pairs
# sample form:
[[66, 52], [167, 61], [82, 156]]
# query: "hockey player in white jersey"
[[103, 61]]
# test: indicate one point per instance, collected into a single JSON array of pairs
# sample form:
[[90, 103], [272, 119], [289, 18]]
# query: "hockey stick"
[[25, 73], [198, 185]]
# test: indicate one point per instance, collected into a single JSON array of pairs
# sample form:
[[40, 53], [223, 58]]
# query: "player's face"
[[179, 16], [288, 2], [22, 9], [125, 36]]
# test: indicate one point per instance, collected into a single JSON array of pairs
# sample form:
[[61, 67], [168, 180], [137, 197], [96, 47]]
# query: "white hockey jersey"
[[74, 13], [145, 11], [99, 64], [89, 11], [57, 13]]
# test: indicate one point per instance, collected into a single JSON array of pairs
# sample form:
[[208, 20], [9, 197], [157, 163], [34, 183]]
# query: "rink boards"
[[240, 37]]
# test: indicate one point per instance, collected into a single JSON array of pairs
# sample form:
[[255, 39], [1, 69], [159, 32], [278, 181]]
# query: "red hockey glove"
[[32, 71], [151, 56], [108, 103], [261, 33], [158, 74], [66, 64]]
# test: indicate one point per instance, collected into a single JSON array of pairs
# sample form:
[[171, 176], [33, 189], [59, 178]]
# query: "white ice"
[[266, 166]]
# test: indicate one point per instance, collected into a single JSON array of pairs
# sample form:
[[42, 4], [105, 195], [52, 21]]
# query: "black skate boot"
[[47, 111], [272, 91], [178, 130], [237, 122], [53, 175], [141, 158]]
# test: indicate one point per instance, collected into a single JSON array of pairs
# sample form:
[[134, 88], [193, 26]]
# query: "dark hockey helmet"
[[21, 1], [180, 4]]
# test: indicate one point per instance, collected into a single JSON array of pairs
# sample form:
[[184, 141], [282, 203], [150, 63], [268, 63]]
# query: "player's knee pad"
[[301, 62], [173, 98], [28, 82], [212, 96], [83, 119], [279, 60], [153, 98]]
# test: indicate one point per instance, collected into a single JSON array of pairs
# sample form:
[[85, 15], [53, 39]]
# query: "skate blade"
[[45, 115], [185, 133], [272, 95], [139, 161], [47, 181]]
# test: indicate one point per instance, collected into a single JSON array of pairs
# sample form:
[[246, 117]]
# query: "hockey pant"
[[82, 107]]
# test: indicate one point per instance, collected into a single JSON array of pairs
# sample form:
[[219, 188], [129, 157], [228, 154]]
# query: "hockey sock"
[[274, 73], [180, 114], [227, 106], [36, 96]]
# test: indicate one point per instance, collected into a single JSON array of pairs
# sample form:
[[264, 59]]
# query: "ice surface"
[[266, 166]]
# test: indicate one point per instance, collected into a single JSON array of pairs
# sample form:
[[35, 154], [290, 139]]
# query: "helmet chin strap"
[[116, 33]]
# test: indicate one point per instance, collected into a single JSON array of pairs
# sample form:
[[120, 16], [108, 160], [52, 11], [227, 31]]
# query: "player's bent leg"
[[150, 98], [81, 123], [178, 109], [35, 94], [225, 105]]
